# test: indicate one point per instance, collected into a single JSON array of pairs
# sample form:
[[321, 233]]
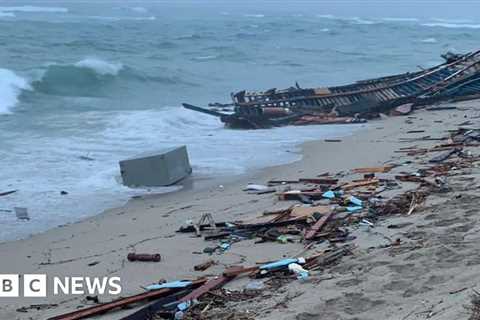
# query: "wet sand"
[[439, 254]]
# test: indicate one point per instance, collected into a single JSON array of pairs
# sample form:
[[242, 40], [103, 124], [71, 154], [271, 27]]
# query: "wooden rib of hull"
[[425, 83]]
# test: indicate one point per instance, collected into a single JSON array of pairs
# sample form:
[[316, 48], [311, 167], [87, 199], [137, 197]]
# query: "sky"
[[453, 9]]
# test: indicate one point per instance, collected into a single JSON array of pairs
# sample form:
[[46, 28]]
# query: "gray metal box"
[[161, 168]]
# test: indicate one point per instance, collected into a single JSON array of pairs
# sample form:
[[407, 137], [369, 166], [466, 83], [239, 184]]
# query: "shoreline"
[[193, 184], [98, 245]]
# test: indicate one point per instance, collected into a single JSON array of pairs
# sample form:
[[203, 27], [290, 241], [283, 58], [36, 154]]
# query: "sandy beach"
[[430, 275]]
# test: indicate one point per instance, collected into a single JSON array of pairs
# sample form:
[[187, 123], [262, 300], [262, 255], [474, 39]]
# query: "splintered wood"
[[384, 169]]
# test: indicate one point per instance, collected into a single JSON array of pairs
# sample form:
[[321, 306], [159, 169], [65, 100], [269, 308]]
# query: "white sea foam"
[[429, 40], [120, 18], [452, 25], [327, 16], [11, 86], [34, 9], [452, 20], [140, 9], [7, 15], [100, 66], [358, 20], [355, 20], [254, 15], [392, 19], [204, 58]]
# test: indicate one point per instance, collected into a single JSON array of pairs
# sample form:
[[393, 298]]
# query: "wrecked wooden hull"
[[459, 76]]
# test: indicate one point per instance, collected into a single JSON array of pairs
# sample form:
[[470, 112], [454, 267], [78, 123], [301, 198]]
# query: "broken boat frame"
[[459, 77]]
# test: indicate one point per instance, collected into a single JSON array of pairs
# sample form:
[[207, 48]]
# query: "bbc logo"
[[34, 285]]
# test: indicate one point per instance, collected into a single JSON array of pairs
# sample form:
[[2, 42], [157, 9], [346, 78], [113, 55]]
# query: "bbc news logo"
[[37, 285]]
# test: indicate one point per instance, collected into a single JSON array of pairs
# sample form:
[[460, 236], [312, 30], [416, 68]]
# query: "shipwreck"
[[458, 78]]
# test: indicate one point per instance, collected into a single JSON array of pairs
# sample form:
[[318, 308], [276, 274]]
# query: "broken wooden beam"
[[318, 226], [360, 183], [6, 193], [122, 302], [328, 181], [383, 169], [445, 156]]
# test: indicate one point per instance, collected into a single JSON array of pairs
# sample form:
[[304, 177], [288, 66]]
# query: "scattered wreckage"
[[327, 207], [457, 78]]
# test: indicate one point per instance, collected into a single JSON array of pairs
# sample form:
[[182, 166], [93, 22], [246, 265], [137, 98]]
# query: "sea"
[[86, 84]]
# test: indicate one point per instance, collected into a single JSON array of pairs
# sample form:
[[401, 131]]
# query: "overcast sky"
[[453, 9]]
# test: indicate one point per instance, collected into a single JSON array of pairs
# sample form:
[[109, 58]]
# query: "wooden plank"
[[298, 212], [206, 287], [318, 226], [122, 302], [383, 169], [7, 193], [364, 183], [319, 180]]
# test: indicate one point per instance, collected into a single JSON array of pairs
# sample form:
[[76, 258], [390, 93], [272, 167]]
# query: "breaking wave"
[[99, 66], [7, 15], [400, 19], [254, 15], [139, 9], [83, 78], [429, 40], [354, 20], [452, 25], [11, 86], [120, 18], [34, 9]]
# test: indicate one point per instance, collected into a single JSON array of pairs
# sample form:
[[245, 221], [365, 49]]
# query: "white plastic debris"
[[255, 187], [301, 273]]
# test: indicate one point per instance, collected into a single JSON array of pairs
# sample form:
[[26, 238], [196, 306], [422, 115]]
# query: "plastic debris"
[[301, 273], [255, 285], [329, 194], [173, 284], [282, 239], [255, 187], [280, 264], [354, 209], [355, 201]]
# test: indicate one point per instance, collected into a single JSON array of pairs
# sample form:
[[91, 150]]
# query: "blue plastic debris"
[[173, 284], [355, 201], [225, 246], [329, 194], [354, 209], [281, 263]]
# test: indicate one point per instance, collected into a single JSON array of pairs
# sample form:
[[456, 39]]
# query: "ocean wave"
[[205, 58], [192, 36], [429, 40], [11, 86], [327, 16], [452, 20], [99, 66], [34, 9], [7, 15], [121, 18], [400, 19], [254, 15], [82, 78], [139, 9], [354, 20], [452, 25], [358, 20]]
